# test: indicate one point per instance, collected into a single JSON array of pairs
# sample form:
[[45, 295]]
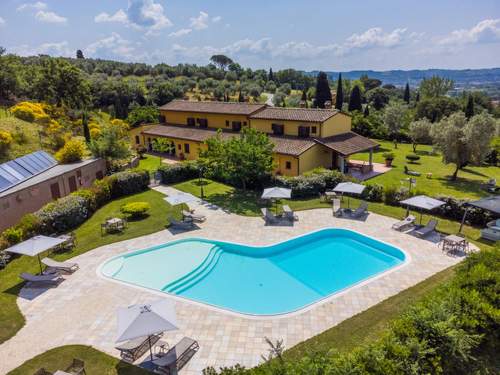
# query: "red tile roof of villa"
[[233, 108], [347, 143], [295, 114]]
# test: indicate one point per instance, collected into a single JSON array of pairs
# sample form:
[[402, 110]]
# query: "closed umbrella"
[[422, 202], [276, 193], [35, 245], [349, 188], [146, 320]]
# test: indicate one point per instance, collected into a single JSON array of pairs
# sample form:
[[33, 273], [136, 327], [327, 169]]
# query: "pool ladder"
[[191, 278]]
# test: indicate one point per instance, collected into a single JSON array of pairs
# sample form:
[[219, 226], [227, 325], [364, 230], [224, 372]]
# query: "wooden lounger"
[[132, 350], [177, 356]]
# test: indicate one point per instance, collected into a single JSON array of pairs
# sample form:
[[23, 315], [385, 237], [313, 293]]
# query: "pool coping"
[[227, 311]]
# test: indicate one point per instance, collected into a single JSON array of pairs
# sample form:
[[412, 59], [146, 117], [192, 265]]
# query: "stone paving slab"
[[82, 309]]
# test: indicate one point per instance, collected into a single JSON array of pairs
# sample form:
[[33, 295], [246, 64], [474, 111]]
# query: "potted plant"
[[389, 157], [412, 158]]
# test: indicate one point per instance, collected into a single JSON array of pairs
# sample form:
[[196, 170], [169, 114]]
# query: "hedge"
[[71, 211], [171, 174], [454, 330]]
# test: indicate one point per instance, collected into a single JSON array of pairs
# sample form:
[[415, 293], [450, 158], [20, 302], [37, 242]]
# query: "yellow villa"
[[303, 138]]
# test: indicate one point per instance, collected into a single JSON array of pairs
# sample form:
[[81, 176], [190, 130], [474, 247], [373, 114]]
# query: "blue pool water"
[[267, 280]]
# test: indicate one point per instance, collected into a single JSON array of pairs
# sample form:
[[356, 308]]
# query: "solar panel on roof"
[[18, 170]]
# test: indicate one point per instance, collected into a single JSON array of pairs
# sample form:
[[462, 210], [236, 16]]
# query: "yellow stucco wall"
[[280, 165], [214, 120], [338, 124], [291, 127], [314, 157]]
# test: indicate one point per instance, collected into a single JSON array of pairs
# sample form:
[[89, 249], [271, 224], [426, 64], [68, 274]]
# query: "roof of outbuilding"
[[295, 114], [347, 143], [233, 108]]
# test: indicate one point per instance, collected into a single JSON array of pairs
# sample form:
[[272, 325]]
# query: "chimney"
[[328, 104]]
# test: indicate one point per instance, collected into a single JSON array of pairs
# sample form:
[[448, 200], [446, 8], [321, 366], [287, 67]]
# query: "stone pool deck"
[[82, 309]]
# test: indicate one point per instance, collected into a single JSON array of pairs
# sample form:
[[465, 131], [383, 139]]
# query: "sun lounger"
[[268, 216], [194, 217], [184, 224], [177, 356], [289, 214], [60, 266], [428, 229], [132, 350], [405, 223], [410, 172], [360, 211], [51, 278]]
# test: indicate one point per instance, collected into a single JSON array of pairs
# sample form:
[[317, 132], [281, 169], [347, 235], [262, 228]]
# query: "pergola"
[[491, 204]]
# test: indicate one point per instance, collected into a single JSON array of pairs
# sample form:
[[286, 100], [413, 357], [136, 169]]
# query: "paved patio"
[[82, 309]]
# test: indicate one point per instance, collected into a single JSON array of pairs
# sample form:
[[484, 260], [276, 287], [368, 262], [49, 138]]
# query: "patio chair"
[[268, 216], [77, 367], [51, 278], [42, 371], [428, 229], [289, 214], [184, 224], [403, 224], [177, 357], [67, 267], [410, 172], [132, 350], [197, 218], [360, 211]]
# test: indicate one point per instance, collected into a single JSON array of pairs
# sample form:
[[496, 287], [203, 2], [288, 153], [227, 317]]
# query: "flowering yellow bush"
[[5, 141], [30, 112], [72, 151], [121, 125]]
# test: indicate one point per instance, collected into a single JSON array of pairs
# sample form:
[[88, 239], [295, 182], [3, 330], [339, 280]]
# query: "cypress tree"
[[271, 75], [355, 99], [304, 97], [339, 99], [417, 98], [323, 92], [469, 108], [240, 97], [366, 113], [79, 54], [406, 96], [85, 124]]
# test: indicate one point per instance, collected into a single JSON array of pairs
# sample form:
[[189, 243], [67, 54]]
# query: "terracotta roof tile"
[[291, 145], [295, 114], [234, 108], [347, 143]]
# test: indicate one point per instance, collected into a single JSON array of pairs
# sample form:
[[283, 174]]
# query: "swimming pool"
[[269, 280]]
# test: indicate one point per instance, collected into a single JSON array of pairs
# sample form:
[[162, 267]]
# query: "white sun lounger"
[[428, 229], [403, 224], [60, 266]]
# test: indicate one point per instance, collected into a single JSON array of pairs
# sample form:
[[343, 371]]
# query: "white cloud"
[[2, 21], [141, 15], [51, 48], [179, 33], [216, 19], [111, 47], [29, 6], [486, 31], [375, 37], [119, 16], [200, 22], [50, 17]]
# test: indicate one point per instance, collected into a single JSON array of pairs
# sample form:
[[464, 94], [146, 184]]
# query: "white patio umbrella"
[[180, 198], [146, 320], [350, 188], [423, 202], [34, 246], [276, 193]]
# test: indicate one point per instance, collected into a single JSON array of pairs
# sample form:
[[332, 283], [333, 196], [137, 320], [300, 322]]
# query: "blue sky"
[[328, 35]]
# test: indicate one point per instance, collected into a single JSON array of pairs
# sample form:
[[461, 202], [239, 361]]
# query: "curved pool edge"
[[407, 260]]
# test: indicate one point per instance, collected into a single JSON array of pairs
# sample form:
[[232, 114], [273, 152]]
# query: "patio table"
[[114, 224], [329, 195], [453, 242]]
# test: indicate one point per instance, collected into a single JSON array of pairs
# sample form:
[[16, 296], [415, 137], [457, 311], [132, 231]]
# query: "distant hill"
[[463, 78]]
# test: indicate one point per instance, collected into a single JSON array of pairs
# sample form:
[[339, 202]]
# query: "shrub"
[[141, 150], [29, 224], [393, 195], [102, 191], [90, 196], [72, 151], [12, 235], [135, 209], [412, 158], [63, 214], [170, 174], [5, 141], [30, 112], [128, 182], [373, 193], [455, 208], [388, 155]]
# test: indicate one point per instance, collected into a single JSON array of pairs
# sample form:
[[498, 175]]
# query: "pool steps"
[[201, 271]]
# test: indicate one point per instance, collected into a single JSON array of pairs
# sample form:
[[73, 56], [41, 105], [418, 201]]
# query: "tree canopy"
[[435, 86], [222, 61], [339, 97], [355, 99]]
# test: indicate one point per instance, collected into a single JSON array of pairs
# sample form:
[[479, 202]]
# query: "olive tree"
[[395, 119], [464, 142], [420, 132]]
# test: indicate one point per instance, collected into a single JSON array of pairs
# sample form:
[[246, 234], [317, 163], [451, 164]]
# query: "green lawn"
[[96, 362], [468, 184], [88, 237], [149, 163]]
